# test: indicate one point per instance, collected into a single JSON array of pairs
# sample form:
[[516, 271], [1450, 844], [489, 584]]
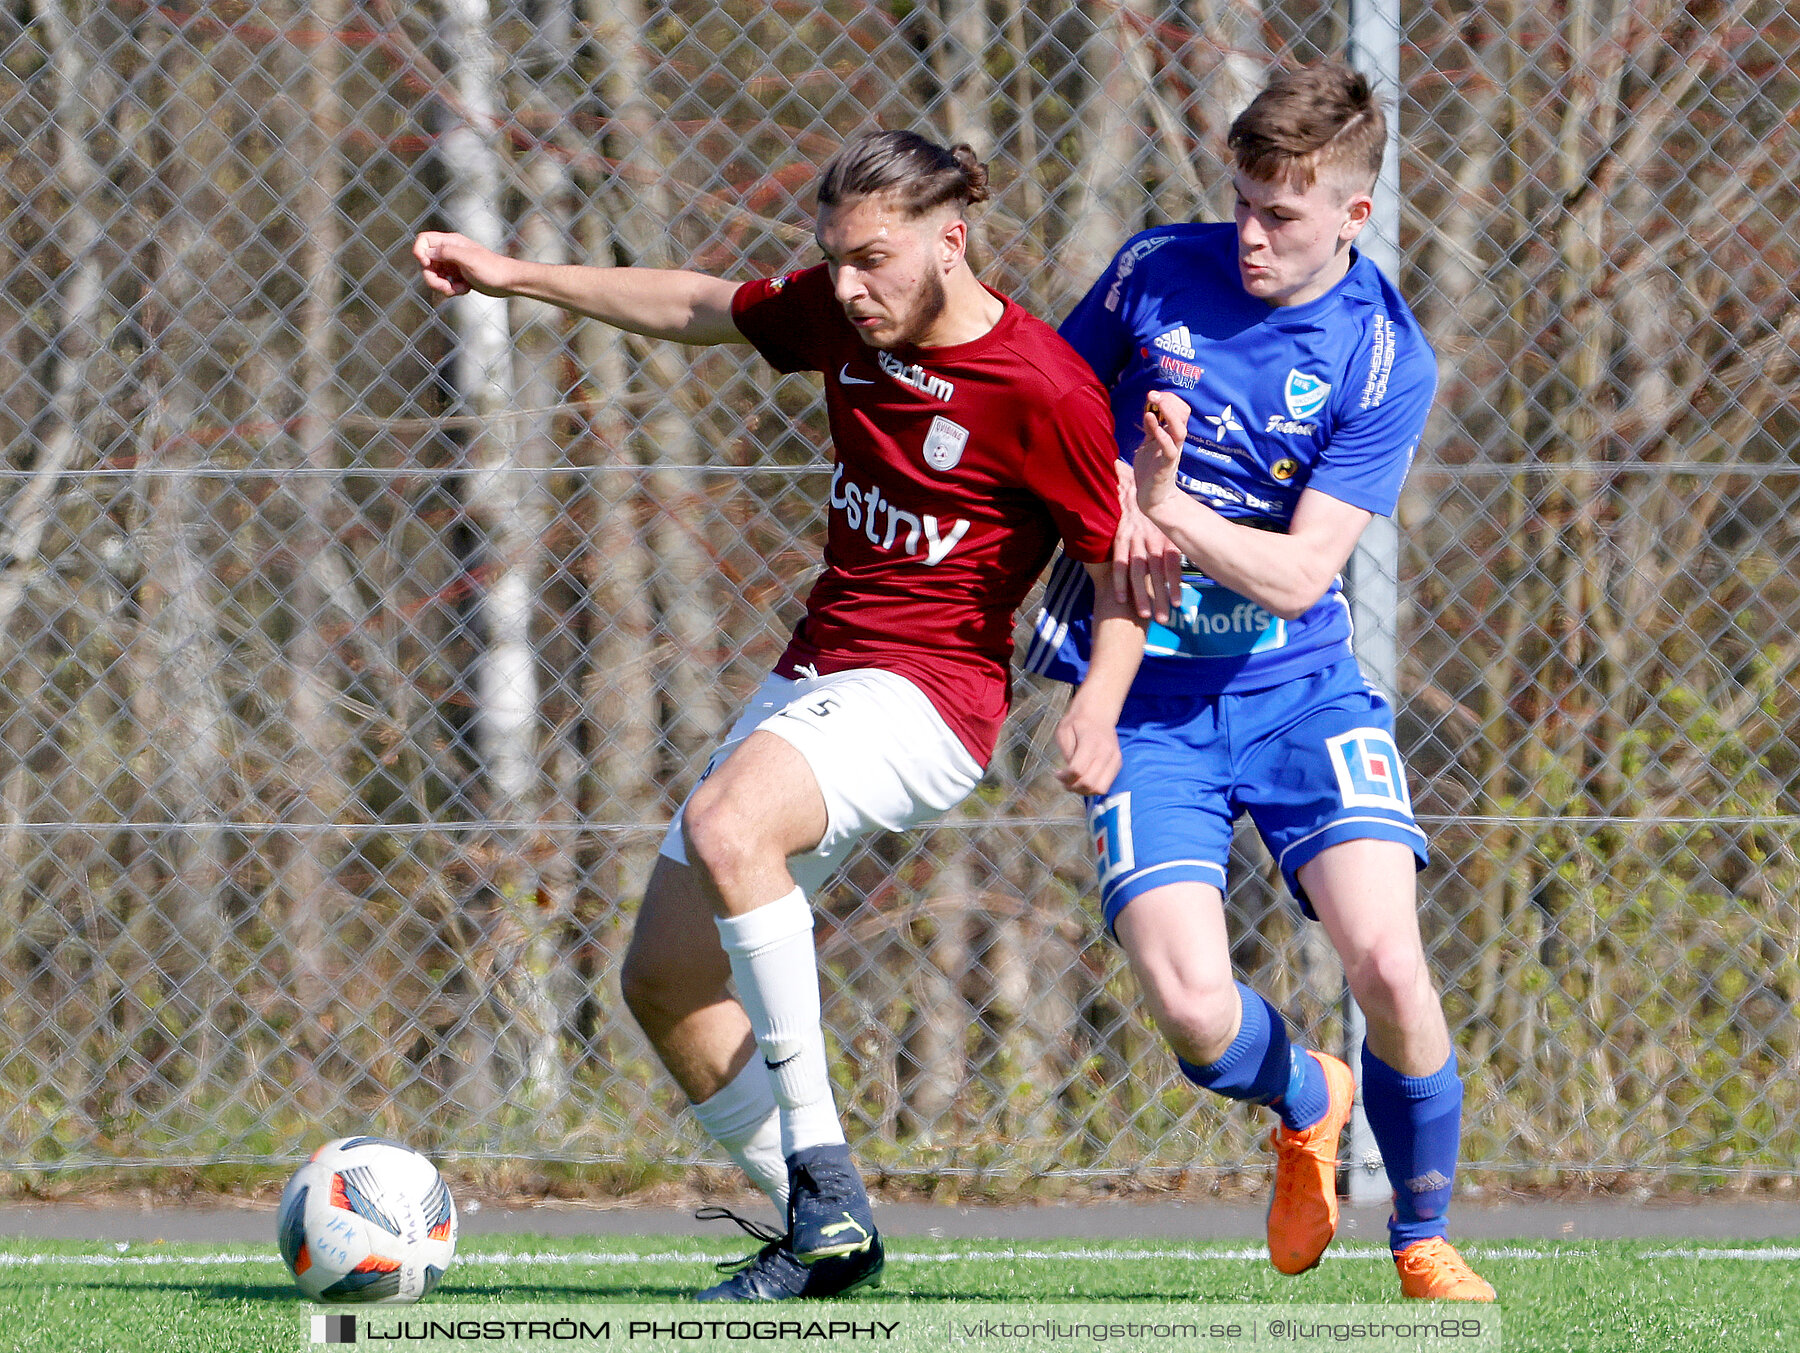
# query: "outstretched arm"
[[1285, 574], [688, 307]]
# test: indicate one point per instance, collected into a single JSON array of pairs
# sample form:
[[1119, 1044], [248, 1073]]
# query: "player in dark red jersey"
[[969, 439]]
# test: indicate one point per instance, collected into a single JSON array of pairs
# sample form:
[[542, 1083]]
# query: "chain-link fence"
[[357, 647]]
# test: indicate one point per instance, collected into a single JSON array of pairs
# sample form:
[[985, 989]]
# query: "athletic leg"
[[1363, 892], [674, 980], [1229, 1039], [741, 825]]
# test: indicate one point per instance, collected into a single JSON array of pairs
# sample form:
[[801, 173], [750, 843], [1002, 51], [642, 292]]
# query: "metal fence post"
[[1374, 572]]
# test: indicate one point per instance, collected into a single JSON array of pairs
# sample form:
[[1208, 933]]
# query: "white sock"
[[777, 976], [743, 1119]]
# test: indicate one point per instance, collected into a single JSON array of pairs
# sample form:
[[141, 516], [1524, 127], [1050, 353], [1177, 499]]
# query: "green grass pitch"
[[1662, 1297]]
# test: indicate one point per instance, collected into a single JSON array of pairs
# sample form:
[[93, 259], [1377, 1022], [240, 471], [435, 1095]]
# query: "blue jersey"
[[1330, 395]]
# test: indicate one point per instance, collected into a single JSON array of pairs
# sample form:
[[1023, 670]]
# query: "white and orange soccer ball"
[[366, 1220]]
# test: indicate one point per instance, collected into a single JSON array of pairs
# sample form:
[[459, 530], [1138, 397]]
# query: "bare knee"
[[718, 838], [1199, 1019], [1392, 986]]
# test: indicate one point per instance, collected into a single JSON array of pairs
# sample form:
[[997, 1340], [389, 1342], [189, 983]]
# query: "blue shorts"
[[1312, 761]]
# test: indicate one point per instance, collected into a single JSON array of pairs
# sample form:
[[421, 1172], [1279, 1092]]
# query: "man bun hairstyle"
[[1317, 119], [920, 175]]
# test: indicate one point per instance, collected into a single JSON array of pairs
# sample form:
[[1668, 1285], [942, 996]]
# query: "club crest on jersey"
[[1305, 394], [944, 443]]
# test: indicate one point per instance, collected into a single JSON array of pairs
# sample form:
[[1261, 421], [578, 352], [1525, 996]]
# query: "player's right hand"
[[455, 265]]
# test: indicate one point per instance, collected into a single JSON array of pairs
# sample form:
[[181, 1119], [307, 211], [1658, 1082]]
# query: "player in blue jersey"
[[1271, 386]]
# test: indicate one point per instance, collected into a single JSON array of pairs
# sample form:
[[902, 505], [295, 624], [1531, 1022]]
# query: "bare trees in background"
[[1606, 278], [357, 648]]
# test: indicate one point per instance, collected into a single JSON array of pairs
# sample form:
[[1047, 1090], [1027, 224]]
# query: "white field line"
[[572, 1259]]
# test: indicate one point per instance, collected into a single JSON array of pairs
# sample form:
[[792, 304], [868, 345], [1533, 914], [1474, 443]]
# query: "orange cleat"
[[1303, 1213], [1432, 1270]]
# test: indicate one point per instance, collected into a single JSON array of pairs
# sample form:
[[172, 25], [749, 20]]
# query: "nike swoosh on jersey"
[[845, 378]]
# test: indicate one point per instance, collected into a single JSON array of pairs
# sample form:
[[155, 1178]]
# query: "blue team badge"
[[1305, 394]]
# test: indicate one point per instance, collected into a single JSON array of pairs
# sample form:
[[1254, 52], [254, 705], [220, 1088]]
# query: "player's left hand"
[[1146, 565], [1090, 749]]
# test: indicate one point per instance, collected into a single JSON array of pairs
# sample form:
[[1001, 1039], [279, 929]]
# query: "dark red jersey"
[[958, 470]]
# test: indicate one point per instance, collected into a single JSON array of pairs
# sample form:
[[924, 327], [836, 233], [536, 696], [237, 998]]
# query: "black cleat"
[[773, 1274], [828, 1208]]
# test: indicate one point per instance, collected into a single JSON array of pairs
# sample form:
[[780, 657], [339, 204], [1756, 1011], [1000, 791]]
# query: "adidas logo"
[[1177, 341], [1428, 1182]]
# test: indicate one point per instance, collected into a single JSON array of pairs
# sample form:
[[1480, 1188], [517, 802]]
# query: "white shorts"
[[882, 755]]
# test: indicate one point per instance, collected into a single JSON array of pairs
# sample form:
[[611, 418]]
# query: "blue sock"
[[1262, 1067], [1417, 1123]]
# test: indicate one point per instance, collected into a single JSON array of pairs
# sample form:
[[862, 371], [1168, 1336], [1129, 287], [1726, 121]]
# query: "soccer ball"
[[366, 1219]]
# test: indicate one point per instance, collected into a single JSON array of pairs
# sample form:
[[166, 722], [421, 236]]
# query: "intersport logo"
[[883, 525]]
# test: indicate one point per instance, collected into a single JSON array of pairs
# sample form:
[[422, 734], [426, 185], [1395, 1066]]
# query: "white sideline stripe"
[[679, 1256], [1789, 1253]]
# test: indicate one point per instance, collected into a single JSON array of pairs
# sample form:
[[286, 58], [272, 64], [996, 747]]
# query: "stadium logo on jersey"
[[1284, 469], [916, 376], [1109, 823], [1224, 422], [1128, 261], [1305, 394], [944, 443], [1178, 341], [1369, 773], [881, 523]]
